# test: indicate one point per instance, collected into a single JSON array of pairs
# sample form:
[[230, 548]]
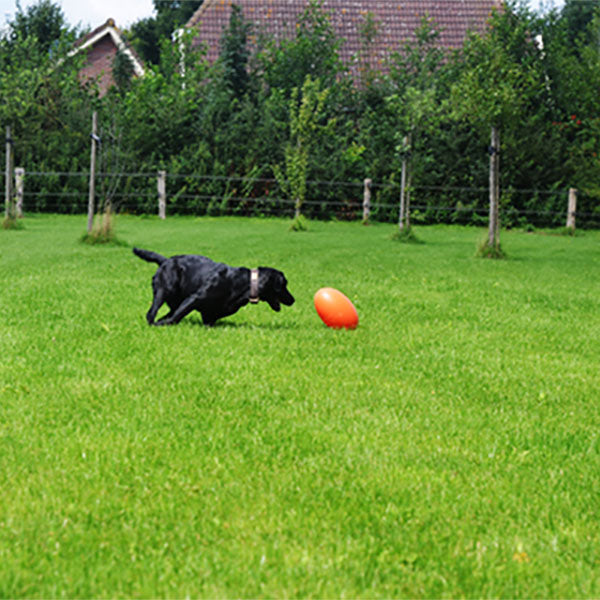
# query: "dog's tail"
[[150, 256]]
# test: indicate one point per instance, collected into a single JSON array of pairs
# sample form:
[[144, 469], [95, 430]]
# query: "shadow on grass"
[[225, 324]]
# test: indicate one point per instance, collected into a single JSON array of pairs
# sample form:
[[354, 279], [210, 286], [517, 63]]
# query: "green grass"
[[448, 447]]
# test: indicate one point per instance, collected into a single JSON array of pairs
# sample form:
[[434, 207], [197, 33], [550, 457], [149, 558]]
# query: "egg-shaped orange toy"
[[335, 309]]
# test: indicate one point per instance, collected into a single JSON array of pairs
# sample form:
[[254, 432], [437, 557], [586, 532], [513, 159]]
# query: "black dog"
[[190, 282]]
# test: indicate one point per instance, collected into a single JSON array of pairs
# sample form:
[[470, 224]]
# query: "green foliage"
[[578, 18], [148, 35], [299, 223], [24, 68], [48, 111], [313, 52], [369, 30], [569, 232], [42, 22], [501, 71], [103, 230], [416, 106], [234, 53], [416, 68], [123, 70], [146, 39], [406, 236]]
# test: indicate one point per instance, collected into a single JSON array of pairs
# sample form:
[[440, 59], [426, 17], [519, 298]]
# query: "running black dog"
[[190, 282]]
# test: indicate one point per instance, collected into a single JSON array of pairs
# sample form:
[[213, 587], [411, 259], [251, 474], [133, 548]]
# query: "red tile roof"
[[396, 21]]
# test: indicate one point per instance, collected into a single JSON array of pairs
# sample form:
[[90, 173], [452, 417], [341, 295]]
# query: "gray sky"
[[93, 13], [90, 13]]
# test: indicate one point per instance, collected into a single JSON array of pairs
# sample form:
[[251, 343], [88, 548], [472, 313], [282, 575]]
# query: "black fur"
[[191, 282]]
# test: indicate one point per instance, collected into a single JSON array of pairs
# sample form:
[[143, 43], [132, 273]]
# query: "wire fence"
[[198, 194]]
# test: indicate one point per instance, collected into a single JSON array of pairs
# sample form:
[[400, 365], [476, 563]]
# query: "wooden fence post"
[[9, 175], [92, 190], [367, 201], [572, 208], [161, 184], [19, 188]]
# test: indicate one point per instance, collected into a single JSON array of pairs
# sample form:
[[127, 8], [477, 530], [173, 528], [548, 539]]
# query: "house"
[[396, 22], [102, 46]]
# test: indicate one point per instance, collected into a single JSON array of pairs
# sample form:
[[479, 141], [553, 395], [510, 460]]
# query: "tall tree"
[[234, 53], [43, 21], [170, 15], [415, 103], [314, 51], [307, 111], [500, 73], [43, 102], [578, 16], [123, 70]]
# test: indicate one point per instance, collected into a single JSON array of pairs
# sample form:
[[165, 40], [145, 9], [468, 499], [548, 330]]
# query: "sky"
[[92, 13]]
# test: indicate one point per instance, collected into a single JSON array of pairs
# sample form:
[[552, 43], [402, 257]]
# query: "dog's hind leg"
[[157, 302], [185, 308]]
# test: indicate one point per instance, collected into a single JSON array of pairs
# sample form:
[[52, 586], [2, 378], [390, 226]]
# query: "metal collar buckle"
[[254, 286]]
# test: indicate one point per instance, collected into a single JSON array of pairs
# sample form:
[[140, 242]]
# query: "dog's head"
[[272, 288]]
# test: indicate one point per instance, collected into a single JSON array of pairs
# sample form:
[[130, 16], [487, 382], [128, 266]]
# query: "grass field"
[[448, 447]]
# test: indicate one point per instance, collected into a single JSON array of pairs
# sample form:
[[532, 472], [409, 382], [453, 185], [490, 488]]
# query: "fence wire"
[[201, 194]]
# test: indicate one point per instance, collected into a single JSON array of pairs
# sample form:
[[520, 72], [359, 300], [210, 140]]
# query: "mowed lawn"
[[448, 447]]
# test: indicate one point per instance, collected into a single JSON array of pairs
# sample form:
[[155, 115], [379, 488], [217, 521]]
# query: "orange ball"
[[335, 309]]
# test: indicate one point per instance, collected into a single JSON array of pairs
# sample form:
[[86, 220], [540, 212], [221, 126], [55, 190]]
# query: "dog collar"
[[254, 286]]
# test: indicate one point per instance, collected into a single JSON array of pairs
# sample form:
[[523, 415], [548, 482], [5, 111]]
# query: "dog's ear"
[[268, 287], [283, 294], [273, 288], [274, 304]]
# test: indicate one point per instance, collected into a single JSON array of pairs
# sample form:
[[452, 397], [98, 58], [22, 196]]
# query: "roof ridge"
[[110, 28], [193, 20], [110, 22]]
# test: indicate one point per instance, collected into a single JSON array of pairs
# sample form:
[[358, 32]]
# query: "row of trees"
[[262, 125]]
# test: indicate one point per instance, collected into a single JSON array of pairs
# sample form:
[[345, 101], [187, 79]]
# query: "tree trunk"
[[92, 190], [20, 192], [366, 200], [9, 176], [407, 199], [162, 194], [403, 218], [494, 225], [572, 209]]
